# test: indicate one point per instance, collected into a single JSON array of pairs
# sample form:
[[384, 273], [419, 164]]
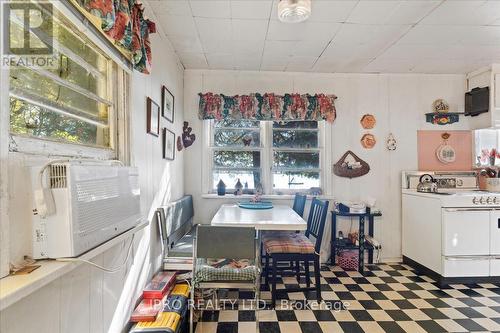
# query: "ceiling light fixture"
[[294, 11]]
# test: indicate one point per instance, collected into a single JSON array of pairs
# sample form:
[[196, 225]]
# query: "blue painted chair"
[[299, 203], [297, 247]]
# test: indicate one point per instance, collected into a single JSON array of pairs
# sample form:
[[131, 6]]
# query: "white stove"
[[455, 189], [461, 198], [454, 233]]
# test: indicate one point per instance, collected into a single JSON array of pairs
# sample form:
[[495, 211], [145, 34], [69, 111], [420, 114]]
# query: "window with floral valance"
[[268, 106]]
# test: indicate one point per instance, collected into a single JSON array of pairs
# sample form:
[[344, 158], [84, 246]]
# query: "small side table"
[[345, 244]]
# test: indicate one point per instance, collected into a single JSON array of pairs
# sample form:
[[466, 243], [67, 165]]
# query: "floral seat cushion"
[[225, 270], [287, 243]]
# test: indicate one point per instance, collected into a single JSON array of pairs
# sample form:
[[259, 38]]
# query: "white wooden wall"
[[398, 102], [87, 299]]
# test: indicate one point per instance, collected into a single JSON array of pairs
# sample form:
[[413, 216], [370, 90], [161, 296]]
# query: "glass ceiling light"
[[294, 11]]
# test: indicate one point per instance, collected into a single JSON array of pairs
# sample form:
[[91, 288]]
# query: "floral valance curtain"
[[268, 107], [124, 22]]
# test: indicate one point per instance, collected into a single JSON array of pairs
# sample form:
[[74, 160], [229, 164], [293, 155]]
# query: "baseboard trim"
[[443, 281]]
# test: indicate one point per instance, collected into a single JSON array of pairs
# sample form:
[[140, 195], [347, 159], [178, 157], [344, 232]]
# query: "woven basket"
[[342, 171], [348, 260]]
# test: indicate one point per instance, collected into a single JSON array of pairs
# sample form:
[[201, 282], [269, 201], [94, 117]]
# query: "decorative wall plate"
[[446, 154], [368, 141], [368, 121], [440, 105]]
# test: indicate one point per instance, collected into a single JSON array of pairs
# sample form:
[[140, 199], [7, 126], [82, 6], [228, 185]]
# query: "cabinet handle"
[[498, 220], [467, 258]]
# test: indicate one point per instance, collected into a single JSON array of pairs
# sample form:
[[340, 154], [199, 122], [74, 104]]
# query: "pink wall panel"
[[429, 141]]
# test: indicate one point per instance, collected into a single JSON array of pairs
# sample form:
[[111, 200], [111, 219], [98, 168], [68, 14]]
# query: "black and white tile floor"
[[386, 298]]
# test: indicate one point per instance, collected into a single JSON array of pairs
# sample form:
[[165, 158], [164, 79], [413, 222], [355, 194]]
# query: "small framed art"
[[167, 104], [153, 117], [168, 138]]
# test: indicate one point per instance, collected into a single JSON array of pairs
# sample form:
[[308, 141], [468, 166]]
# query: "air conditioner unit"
[[93, 203]]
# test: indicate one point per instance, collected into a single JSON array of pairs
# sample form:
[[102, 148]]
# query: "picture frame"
[[168, 146], [167, 104], [153, 117]]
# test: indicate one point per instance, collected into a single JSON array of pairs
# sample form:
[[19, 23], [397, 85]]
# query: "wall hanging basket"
[[352, 167]]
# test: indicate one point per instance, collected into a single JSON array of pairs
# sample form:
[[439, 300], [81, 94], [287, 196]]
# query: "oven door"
[[495, 233], [466, 232]]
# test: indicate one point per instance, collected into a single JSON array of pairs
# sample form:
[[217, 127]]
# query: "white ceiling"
[[428, 36]]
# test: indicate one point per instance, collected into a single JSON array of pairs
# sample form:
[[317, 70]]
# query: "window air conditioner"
[[81, 205]]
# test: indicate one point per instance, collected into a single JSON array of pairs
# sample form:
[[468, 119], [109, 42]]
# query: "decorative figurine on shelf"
[[259, 189], [258, 193], [221, 188], [256, 198], [238, 187]]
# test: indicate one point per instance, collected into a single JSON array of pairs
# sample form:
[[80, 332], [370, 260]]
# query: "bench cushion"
[[225, 270], [184, 246], [287, 243]]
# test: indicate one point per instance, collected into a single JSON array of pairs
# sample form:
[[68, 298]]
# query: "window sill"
[[13, 288], [266, 196], [46, 147]]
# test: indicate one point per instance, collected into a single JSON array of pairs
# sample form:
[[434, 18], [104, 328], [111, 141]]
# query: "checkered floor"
[[386, 298]]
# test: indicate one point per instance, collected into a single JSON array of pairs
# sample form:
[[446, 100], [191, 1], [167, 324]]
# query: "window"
[[72, 102], [285, 157], [296, 156], [236, 154]]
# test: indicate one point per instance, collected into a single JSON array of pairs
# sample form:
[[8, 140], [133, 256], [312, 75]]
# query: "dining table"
[[279, 217]]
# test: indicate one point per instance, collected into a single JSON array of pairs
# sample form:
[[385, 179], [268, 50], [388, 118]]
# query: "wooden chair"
[[213, 242], [296, 247], [299, 203]]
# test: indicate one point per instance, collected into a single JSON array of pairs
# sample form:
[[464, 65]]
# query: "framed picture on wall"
[[168, 138], [167, 104], [153, 117]]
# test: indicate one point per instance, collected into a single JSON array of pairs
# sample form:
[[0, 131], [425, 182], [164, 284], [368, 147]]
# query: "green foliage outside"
[[33, 120], [284, 136]]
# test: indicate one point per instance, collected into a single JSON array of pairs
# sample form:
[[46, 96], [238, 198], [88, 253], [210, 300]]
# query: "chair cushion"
[[287, 243], [184, 246], [225, 270]]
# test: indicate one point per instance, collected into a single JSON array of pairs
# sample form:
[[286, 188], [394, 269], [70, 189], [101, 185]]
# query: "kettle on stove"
[[427, 184]]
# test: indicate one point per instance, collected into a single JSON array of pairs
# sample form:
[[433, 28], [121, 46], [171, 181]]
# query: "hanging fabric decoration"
[[124, 22], [121, 31], [268, 107]]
